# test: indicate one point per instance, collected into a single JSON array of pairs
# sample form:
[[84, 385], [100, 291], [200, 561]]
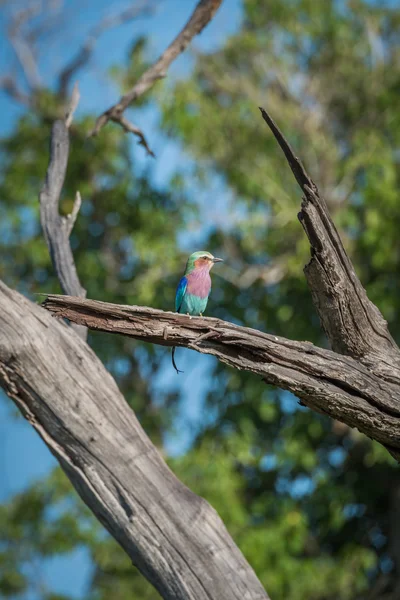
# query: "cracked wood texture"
[[352, 323], [329, 383], [174, 537]]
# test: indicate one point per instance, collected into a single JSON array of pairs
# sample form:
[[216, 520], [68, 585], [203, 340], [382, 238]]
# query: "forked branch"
[[175, 538], [353, 325], [358, 384], [57, 228], [202, 15]]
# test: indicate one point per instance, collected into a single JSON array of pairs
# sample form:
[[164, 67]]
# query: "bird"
[[194, 288]]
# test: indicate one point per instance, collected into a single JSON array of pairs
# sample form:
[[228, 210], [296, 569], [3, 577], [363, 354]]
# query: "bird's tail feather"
[[173, 361]]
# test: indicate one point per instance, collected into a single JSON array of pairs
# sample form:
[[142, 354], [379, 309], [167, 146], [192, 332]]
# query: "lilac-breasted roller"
[[194, 287]]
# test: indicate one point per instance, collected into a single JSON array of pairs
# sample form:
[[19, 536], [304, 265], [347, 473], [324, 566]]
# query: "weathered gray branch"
[[73, 105], [57, 228], [173, 536], [132, 128], [359, 385], [202, 15], [330, 383], [352, 323]]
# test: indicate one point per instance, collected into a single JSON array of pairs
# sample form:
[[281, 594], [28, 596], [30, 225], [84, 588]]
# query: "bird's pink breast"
[[199, 283]]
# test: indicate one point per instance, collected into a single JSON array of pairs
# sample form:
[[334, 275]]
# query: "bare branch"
[[75, 97], [175, 538], [9, 84], [23, 33], [352, 323], [201, 16], [327, 382], [75, 210], [23, 49], [140, 8], [57, 228], [131, 128], [52, 21]]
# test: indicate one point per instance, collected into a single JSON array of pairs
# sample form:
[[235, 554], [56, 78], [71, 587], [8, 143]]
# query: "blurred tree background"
[[314, 506]]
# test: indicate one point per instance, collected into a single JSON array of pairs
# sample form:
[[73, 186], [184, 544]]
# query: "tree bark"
[[330, 383], [57, 228], [174, 537], [353, 325]]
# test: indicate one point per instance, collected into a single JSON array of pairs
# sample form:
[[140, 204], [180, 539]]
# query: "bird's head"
[[201, 260]]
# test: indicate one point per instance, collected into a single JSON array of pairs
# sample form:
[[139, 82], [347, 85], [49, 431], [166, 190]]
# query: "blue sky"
[[23, 456]]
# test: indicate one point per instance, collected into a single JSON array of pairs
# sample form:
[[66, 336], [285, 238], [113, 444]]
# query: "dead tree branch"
[[23, 33], [57, 228], [325, 381], [359, 384], [23, 49], [73, 105], [9, 84], [202, 15], [353, 325], [131, 128], [175, 538]]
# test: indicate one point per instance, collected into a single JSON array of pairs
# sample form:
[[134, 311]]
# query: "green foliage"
[[329, 74], [43, 521], [123, 241], [311, 503], [125, 251], [136, 65]]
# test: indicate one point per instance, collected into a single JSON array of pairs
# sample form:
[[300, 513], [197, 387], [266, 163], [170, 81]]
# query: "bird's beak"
[[217, 260]]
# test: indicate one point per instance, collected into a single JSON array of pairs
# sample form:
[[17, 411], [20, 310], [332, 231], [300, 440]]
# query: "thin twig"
[[131, 128], [24, 50], [70, 219], [201, 16], [75, 97], [295, 163], [9, 84]]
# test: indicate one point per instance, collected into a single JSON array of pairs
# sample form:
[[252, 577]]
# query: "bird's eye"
[[205, 257]]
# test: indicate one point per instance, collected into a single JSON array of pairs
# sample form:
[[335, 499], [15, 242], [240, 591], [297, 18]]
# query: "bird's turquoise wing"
[[180, 293]]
